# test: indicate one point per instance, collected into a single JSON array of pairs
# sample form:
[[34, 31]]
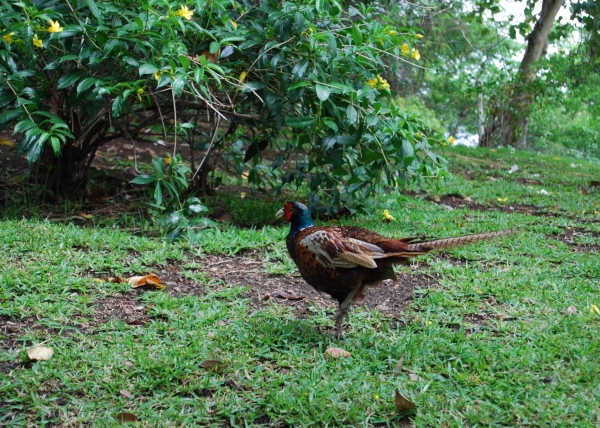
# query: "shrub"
[[299, 80]]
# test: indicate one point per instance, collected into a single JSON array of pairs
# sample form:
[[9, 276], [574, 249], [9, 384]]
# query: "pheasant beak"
[[279, 214]]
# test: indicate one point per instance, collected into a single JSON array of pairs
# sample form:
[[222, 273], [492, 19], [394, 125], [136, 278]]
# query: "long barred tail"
[[457, 240]]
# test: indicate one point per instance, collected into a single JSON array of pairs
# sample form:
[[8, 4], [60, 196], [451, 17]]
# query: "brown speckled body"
[[338, 283]]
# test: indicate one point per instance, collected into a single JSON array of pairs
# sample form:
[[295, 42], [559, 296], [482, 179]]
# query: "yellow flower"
[[451, 140], [184, 12], [376, 397], [502, 199], [242, 195], [415, 54], [419, 36], [378, 83], [37, 42], [8, 37], [404, 49], [387, 217], [233, 24], [392, 32], [594, 310], [54, 27], [157, 74]]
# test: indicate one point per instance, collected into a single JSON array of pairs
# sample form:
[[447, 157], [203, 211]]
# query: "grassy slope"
[[492, 346]]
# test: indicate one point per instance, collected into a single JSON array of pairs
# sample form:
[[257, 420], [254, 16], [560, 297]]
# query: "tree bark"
[[507, 123]]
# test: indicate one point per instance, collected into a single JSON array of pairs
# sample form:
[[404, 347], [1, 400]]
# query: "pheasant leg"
[[341, 314]]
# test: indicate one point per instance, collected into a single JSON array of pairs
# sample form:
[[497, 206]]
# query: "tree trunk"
[[507, 123]]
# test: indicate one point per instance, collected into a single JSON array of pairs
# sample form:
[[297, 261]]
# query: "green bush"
[[299, 81]]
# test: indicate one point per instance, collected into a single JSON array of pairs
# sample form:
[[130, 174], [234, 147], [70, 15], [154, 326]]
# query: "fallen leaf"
[[125, 393], [572, 310], [336, 353], [116, 280], [40, 353], [286, 295], [594, 309], [212, 365], [147, 280], [126, 417], [5, 142], [225, 218], [513, 168], [413, 376], [399, 365], [402, 403]]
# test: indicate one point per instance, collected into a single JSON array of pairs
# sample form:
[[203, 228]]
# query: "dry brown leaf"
[[225, 218], [212, 365], [126, 417], [116, 280], [336, 353], [151, 280], [40, 353], [399, 365], [402, 403], [125, 393], [286, 295], [572, 310]]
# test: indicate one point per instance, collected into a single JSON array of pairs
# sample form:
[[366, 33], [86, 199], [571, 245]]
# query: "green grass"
[[491, 346]]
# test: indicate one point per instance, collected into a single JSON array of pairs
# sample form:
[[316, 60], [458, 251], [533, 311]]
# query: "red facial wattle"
[[288, 211]]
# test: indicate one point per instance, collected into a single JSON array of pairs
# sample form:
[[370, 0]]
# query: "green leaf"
[[6, 98], [94, 9], [69, 78], [357, 35], [85, 84], [158, 195], [300, 121], [178, 85], [300, 69], [351, 114], [144, 179], [147, 69], [197, 209], [7, 116], [323, 91], [214, 47]]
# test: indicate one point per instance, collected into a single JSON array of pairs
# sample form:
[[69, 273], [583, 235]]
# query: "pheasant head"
[[298, 215]]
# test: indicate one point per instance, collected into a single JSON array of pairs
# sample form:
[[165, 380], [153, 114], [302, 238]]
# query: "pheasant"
[[342, 260]]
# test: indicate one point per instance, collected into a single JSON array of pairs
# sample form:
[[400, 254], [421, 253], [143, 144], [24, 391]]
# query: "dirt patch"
[[571, 235], [266, 289], [455, 201]]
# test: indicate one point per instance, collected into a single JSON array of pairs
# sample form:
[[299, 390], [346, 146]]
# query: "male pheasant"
[[342, 260]]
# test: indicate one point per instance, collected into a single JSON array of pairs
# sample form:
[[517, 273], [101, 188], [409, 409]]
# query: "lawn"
[[500, 333]]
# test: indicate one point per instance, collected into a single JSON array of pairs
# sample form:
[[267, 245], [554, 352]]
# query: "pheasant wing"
[[332, 250]]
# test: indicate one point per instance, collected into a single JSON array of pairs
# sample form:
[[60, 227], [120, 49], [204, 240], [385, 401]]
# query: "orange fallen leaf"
[[141, 281]]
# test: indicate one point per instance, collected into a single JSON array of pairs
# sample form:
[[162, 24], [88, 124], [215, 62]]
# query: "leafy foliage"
[[300, 79], [178, 213]]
